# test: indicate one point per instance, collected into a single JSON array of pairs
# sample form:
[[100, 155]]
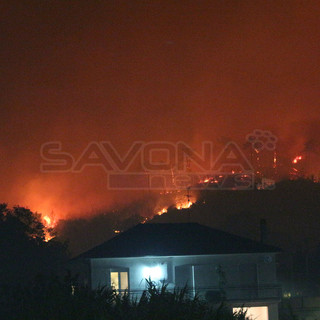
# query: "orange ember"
[[297, 159]]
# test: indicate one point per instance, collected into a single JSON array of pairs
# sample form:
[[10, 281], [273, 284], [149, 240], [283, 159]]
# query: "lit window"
[[119, 280], [255, 313]]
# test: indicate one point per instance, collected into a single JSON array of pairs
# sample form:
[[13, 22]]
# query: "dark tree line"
[[24, 253]]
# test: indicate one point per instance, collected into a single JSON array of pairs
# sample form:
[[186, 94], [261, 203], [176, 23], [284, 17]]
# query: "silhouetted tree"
[[23, 249]]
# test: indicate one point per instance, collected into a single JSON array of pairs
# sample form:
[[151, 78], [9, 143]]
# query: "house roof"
[[175, 239]]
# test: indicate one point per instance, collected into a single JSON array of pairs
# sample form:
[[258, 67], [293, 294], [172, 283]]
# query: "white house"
[[210, 262]]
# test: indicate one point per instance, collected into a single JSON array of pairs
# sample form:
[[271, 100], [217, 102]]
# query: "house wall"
[[239, 270], [248, 279]]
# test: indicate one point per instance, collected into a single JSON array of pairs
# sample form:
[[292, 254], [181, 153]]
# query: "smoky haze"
[[124, 71]]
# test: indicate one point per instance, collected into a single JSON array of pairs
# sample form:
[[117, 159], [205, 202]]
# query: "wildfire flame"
[[164, 210], [48, 223], [184, 205], [179, 206]]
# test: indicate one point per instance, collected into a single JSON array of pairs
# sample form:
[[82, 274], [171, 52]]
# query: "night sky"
[[82, 71]]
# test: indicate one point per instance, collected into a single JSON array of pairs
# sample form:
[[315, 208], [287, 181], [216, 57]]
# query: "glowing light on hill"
[[297, 159]]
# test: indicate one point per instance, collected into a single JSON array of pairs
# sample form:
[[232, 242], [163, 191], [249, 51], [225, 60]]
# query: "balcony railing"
[[247, 293], [231, 293]]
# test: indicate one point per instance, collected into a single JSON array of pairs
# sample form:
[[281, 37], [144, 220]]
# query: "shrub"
[[50, 298]]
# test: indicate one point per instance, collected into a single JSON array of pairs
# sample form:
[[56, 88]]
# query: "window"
[[255, 313], [119, 280]]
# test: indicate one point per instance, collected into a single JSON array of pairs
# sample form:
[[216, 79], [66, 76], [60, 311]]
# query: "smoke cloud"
[[125, 71]]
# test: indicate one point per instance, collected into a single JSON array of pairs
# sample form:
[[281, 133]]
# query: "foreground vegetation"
[[55, 299]]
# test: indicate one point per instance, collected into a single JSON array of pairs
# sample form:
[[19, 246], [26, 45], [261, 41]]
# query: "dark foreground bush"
[[55, 299]]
